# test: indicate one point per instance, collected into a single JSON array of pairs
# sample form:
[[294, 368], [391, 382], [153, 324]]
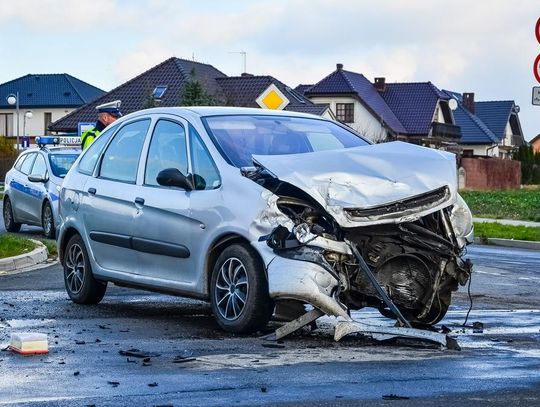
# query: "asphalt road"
[[500, 366]]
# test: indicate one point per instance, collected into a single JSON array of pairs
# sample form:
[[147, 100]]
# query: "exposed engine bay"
[[407, 267]]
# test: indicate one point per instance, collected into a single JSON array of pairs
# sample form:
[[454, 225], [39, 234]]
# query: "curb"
[[22, 261], [519, 244]]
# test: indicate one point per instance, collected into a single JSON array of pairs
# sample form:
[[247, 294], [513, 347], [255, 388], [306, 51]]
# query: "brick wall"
[[491, 173]]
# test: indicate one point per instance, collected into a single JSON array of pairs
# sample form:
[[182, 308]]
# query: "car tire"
[[80, 283], [9, 220], [47, 221], [239, 290]]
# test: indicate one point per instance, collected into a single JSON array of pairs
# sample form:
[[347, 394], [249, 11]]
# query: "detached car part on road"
[[33, 186], [261, 213]]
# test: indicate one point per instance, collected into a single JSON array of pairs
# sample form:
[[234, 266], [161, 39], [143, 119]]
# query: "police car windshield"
[[61, 163]]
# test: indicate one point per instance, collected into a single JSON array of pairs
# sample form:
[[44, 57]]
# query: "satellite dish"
[[516, 109], [452, 103]]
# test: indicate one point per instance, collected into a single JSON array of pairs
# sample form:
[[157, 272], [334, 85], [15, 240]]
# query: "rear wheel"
[[47, 221], [239, 290], [9, 220], [80, 283]]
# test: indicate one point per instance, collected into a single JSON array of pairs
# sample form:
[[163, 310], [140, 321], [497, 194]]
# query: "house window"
[[6, 124], [47, 121], [345, 112], [468, 153]]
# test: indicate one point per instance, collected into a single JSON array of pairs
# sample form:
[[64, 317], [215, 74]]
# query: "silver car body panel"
[[358, 177], [368, 176]]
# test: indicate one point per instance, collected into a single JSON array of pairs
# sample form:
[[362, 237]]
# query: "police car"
[[32, 186]]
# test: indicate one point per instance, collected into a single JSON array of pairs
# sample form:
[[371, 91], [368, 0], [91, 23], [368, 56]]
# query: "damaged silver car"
[[263, 213]]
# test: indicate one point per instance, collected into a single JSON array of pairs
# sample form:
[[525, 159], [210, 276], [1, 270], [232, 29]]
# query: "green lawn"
[[11, 245], [497, 230], [51, 246], [522, 204]]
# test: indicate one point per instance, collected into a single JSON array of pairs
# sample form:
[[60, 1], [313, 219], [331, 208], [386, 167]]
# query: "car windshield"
[[239, 137], [61, 163]]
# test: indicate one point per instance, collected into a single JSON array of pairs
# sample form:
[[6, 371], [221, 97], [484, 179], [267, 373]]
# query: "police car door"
[[37, 180], [21, 199]]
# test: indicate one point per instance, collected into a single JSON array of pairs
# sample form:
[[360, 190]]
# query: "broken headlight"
[[462, 222]]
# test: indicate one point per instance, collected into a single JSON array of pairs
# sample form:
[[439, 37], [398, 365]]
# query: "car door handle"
[[139, 201], [92, 191]]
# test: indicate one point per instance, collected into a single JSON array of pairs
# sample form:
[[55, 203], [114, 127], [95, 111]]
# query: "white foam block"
[[29, 343]]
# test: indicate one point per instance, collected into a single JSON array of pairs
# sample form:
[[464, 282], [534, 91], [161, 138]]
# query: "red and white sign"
[[537, 30], [536, 68]]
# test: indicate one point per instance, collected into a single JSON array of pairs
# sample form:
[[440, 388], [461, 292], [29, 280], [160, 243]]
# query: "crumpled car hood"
[[366, 176]]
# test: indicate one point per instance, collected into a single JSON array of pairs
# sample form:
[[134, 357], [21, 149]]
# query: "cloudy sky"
[[462, 45]]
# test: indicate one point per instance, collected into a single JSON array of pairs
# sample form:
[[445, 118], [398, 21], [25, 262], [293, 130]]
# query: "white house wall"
[[364, 122], [36, 125], [483, 149]]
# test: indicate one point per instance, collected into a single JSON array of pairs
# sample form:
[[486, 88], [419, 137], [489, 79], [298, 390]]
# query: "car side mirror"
[[37, 178], [172, 177]]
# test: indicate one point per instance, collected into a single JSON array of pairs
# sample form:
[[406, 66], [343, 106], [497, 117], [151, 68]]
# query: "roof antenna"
[[193, 56], [244, 57]]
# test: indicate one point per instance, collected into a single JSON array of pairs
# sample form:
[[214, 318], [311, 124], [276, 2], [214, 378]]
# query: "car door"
[[37, 190], [171, 221], [109, 200], [20, 191], [163, 227]]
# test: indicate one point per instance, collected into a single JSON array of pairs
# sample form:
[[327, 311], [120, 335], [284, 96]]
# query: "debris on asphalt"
[[445, 329], [154, 384], [97, 340], [103, 327], [29, 343], [182, 359], [131, 361], [77, 373], [263, 389], [80, 343], [146, 364], [113, 383], [478, 327], [272, 345], [394, 397], [136, 353]]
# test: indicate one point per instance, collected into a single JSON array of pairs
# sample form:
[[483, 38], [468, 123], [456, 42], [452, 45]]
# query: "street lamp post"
[[27, 115], [13, 99]]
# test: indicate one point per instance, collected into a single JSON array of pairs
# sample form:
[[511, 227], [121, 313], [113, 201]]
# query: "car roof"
[[55, 150], [205, 111]]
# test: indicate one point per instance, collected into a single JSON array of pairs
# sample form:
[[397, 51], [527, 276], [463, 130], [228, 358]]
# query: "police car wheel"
[[9, 220], [47, 221]]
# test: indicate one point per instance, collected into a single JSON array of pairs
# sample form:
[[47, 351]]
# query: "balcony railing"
[[445, 131]]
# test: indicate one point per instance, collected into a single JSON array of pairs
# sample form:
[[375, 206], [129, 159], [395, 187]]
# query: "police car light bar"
[[42, 141]]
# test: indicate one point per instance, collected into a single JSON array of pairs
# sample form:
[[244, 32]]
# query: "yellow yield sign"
[[272, 98]]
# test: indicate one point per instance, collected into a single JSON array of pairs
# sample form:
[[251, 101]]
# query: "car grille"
[[402, 207]]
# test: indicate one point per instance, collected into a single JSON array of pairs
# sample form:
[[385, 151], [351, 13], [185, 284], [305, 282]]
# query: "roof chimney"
[[380, 84], [339, 67], [244, 74], [468, 101]]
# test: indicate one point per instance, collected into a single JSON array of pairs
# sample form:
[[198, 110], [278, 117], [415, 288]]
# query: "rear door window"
[[40, 167], [121, 159], [89, 160]]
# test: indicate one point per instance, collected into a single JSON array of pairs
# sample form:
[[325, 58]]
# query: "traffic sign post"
[[536, 95]]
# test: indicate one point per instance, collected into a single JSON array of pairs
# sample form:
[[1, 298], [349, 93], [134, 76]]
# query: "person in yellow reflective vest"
[[107, 114]]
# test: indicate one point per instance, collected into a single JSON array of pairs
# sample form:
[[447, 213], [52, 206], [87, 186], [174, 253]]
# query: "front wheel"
[[9, 220], [47, 221], [239, 290], [80, 283]]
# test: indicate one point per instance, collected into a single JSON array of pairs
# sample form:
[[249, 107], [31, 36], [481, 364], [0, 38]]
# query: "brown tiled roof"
[[173, 73]]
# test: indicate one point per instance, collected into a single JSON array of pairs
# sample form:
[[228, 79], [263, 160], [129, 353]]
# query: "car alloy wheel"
[[48, 221], [239, 290], [75, 268], [9, 220], [231, 290], [79, 280]]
